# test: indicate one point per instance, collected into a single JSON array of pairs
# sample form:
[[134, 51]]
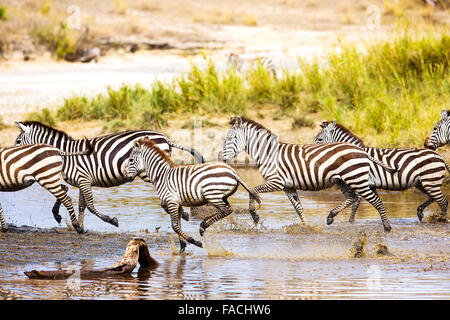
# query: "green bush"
[[45, 116], [56, 38], [3, 13]]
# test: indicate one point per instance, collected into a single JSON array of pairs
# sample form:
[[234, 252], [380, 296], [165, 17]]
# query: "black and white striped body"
[[441, 132], [241, 65], [291, 167], [104, 167], [421, 168], [190, 186], [22, 166]]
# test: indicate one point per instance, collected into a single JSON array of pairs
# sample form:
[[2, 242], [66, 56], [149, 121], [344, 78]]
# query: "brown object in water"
[[136, 251]]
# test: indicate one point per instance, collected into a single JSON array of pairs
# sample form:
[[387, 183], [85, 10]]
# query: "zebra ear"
[[22, 127], [236, 121], [324, 124], [136, 144], [444, 114]]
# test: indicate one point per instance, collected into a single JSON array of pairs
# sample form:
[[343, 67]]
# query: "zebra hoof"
[[420, 216], [198, 243], [182, 247], [114, 222], [202, 229], [79, 229], [57, 218], [185, 216], [387, 228], [330, 220], [255, 218]]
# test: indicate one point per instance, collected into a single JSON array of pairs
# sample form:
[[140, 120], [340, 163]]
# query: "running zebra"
[[241, 64], [103, 168], [421, 168], [22, 166], [291, 167], [190, 186], [441, 132]]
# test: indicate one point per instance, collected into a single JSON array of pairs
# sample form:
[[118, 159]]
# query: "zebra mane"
[[46, 127], [347, 131], [248, 121], [150, 144]]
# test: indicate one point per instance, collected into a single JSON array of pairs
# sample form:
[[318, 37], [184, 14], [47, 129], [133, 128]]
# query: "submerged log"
[[136, 251]]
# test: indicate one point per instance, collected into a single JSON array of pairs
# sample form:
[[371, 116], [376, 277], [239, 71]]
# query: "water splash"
[[213, 247]]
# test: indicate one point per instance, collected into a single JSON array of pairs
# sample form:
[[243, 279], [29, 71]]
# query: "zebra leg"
[[293, 197], [61, 194], [86, 190], [174, 212], [4, 227], [372, 197], [355, 206], [351, 198], [81, 208], [182, 213], [436, 194], [57, 205], [429, 201], [422, 207], [268, 186], [224, 210]]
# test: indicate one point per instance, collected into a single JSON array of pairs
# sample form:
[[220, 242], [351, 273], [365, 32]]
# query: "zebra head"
[[235, 141], [135, 165], [25, 136], [441, 132], [326, 135]]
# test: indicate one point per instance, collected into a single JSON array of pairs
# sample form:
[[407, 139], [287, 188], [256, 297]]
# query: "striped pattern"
[[290, 167], [104, 167], [240, 64], [441, 132], [20, 167], [420, 168], [189, 186]]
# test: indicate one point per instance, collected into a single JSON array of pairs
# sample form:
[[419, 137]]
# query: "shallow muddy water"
[[278, 259]]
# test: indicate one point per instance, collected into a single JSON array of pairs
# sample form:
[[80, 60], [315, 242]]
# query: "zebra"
[[188, 185], [421, 168], [103, 168], [21, 166], [291, 167], [234, 61], [441, 132]]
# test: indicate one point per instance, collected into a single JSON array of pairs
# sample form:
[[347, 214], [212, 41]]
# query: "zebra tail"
[[197, 156], [383, 165], [252, 193], [86, 152]]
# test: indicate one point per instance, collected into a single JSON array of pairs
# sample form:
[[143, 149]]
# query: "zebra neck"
[[263, 148], [157, 172], [65, 143]]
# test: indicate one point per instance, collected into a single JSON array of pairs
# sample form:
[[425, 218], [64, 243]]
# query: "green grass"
[[57, 38], [391, 93], [3, 15], [2, 124]]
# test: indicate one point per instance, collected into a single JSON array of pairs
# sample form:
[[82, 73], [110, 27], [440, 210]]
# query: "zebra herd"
[[45, 155]]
